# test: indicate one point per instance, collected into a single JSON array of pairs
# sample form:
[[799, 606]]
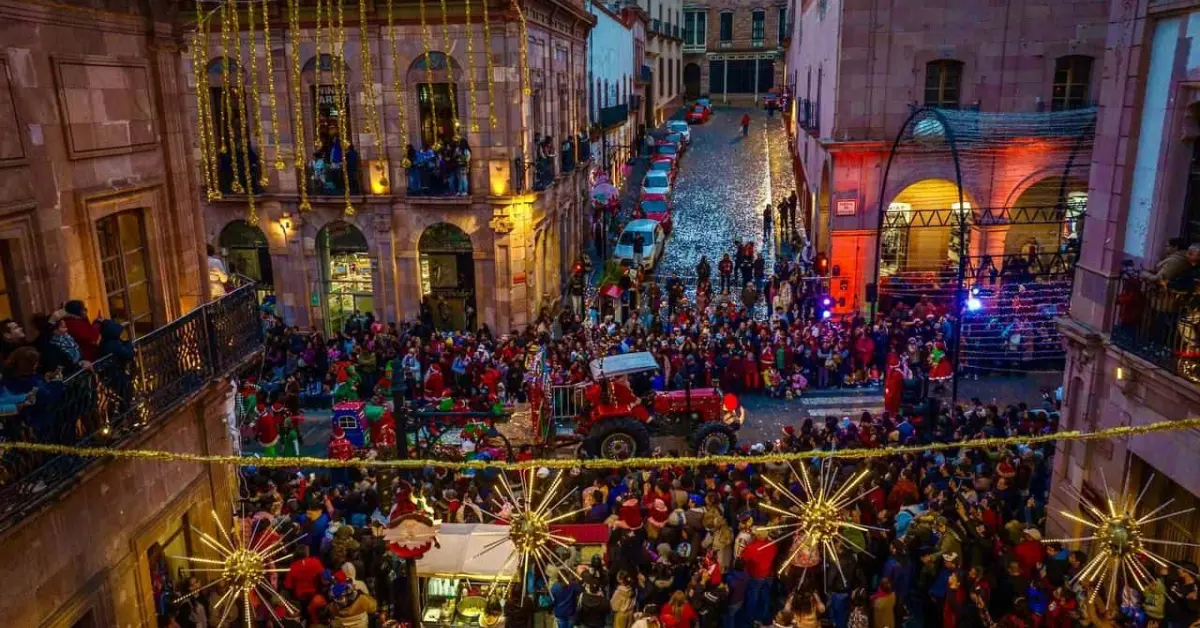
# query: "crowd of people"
[[442, 172]]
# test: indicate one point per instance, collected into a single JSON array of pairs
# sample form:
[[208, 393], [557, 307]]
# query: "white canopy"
[[624, 364], [459, 554]]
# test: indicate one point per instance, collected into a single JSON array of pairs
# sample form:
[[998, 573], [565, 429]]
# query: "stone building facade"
[[1132, 346], [97, 203], [497, 255], [733, 50], [662, 74], [859, 68]]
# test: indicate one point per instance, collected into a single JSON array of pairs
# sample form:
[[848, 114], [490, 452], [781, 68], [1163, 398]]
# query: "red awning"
[[583, 533], [612, 290]]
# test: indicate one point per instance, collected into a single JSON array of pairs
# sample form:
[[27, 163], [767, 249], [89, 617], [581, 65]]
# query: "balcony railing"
[[119, 397], [808, 115], [433, 176], [1159, 323], [328, 179], [613, 116], [645, 75], [700, 47]]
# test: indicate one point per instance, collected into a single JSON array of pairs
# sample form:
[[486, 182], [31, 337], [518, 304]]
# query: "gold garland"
[[271, 99], [368, 76], [470, 36], [437, 136], [450, 72], [243, 129], [343, 101], [487, 37], [318, 74], [398, 86], [200, 70], [1122, 431], [526, 87], [214, 193], [227, 139], [298, 110], [256, 98]]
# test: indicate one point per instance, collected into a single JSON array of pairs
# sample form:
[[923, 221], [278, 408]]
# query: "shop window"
[[758, 26], [125, 264], [726, 27], [447, 277], [9, 307], [943, 79], [1072, 82], [348, 274]]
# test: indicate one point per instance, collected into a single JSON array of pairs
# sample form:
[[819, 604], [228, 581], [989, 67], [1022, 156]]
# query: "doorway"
[[691, 81], [447, 278], [347, 273]]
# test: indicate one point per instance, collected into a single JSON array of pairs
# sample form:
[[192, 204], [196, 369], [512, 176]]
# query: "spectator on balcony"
[[414, 172], [217, 275], [86, 334], [462, 167], [1173, 264], [59, 353], [12, 337]]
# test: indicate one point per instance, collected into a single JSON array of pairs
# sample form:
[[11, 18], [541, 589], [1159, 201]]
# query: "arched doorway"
[[691, 81], [920, 232], [245, 251], [347, 273], [330, 155], [447, 277], [1047, 237], [437, 90]]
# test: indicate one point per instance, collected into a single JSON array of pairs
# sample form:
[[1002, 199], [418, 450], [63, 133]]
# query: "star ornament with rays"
[[817, 520], [530, 538], [1120, 537], [247, 564]]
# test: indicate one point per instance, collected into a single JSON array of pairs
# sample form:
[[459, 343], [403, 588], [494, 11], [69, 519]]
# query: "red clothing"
[[267, 429], [86, 334], [301, 578], [1058, 613], [904, 493], [340, 448], [746, 119], [953, 607], [759, 558], [893, 391], [1028, 554], [685, 617]]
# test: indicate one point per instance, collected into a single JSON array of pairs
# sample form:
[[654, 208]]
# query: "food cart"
[[456, 578]]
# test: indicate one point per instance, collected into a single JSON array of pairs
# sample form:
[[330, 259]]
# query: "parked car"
[[677, 140], [664, 165], [698, 114], [704, 101], [657, 207], [653, 240], [667, 148], [656, 183], [771, 99], [681, 127]]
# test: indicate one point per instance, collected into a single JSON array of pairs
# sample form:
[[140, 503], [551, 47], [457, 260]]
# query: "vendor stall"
[[456, 577]]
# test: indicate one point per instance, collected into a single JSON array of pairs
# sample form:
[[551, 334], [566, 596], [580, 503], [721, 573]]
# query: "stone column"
[[497, 311]]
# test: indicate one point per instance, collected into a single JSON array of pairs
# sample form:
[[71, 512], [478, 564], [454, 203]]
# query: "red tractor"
[[612, 421]]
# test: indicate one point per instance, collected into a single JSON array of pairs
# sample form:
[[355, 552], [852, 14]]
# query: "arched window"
[[943, 80], [434, 99], [1072, 82]]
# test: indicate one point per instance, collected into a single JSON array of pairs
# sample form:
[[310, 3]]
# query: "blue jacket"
[[565, 598], [737, 582], [900, 575]]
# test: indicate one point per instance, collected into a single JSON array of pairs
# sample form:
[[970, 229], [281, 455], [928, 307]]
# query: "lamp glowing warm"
[[380, 186], [499, 178]]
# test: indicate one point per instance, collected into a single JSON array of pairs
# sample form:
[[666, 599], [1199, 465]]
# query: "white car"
[[681, 127], [656, 182], [653, 241]]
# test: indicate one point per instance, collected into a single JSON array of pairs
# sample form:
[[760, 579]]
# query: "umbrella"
[[612, 291], [603, 192]]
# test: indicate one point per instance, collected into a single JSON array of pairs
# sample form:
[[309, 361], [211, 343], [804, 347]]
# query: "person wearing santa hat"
[[266, 429]]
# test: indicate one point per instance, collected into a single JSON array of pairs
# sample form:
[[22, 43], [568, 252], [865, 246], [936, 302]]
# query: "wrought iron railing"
[[121, 397], [1159, 323]]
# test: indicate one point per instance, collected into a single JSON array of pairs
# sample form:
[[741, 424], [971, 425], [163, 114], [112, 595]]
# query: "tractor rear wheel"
[[714, 439], [618, 439]]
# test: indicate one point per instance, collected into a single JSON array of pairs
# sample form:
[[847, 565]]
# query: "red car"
[[657, 207], [698, 114], [663, 163]]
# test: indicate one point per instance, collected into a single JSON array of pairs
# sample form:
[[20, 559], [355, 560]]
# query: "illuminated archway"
[[347, 272], [447, 277], [1047, 237], [921, 228], [245, 251]]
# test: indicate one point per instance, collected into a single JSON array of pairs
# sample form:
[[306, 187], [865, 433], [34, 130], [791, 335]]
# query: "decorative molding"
[[9, 114], [76, 120]]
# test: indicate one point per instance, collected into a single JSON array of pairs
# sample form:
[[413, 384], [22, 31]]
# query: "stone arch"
[[914, 238], [434, 98], [1037, 239], [245, 250], [347, 272], [446, 275]]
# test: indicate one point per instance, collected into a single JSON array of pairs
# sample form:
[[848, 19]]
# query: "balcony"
[[1159, 323], [725, 44], [656, 26], [613, 116], [808, 115], [431, 176], [690, 48], [675, 31], [644, 76], [328, 179], [756, 43], [119, 399]]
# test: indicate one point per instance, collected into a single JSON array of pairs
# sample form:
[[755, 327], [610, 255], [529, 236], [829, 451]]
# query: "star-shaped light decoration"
[[532, 543], [246, 564], [1120, 536], [818, 518]]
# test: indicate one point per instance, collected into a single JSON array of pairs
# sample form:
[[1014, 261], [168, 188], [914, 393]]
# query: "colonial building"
[[733, 49], [493, 251], [860, 69], [1133, 343], [97, 203], [662, 73], [615, 56]]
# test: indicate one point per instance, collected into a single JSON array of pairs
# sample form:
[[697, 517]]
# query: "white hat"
[[543, 473], [1033, 533]]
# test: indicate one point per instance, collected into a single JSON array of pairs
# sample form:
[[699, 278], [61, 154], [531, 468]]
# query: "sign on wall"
[[846, 207]]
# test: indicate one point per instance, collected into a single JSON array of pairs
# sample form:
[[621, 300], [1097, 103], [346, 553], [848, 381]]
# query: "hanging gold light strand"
[[437, 136], [256, 99], [343, 101], [487, 48], [470, 37], [243, 129], [298, 108], [200, 72], [272, 101], [368, 77], [318, 76], [207, 119], [449, 72], [526, 87], [398, 85], [227, 97]]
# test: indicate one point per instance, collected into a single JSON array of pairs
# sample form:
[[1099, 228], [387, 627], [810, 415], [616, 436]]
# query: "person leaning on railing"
[[1169, 288]]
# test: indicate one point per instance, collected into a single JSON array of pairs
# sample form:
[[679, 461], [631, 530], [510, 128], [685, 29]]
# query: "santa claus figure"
[[340, 447], [434, 384], [410, 532], [893, 386], [266, 430]]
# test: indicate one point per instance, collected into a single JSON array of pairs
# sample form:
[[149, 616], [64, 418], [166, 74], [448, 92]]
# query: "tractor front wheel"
[[714, 439], [618, 439]]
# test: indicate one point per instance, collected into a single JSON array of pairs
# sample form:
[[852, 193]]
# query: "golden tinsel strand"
[[470, 37], [1122, 431], [271, 98], [368, 77], [298, 143], [437, 136], [526, 87], [491, 74], [450, 72], [256, 96], [206, 129], [199, 69], [318, 73], [343, 102], [251, 211], [398, 85]]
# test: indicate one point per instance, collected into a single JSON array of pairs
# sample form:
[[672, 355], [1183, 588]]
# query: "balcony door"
[[125, 265]]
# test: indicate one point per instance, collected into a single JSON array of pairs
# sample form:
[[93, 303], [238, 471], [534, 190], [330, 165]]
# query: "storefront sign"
[[518, 279], [326, 95], [847, 207]]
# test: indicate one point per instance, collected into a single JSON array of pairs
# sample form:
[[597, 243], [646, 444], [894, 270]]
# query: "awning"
[[459, 551], [624, 364]]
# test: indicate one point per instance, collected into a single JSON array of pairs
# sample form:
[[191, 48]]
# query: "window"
[[1191, 209], [435, 104], [8, 304], [782, 26], [758, 27], [695, 28], [124, 261], [726, 27], [942, 80], [1072, 78]]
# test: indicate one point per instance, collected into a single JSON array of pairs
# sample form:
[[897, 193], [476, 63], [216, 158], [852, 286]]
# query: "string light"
[[343, 100], [817, 519], [470, 36], [227, 119], [246, 567], [524, 47], [200, 70], [271, 99], [1120, 431], [256, 97], [368, 76], [437, 136], [319, 72], [398, 86], [243, 129], [450, 72], [298, 109], [214, 191], [1120, 539], [491, 73]]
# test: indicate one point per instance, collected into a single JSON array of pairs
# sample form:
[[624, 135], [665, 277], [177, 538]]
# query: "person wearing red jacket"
[[86, 334], [303, 575], [266, 429], [340, 448], [759, 559], [678, 613], [1030, 552]]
